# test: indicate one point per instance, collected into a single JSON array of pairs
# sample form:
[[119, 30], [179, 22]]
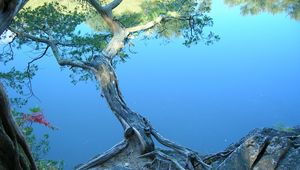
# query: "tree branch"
[[106, 14], [155, 22], [28, 71], [53, 44], [68, 62], [113, 4], [29, 36], [42, 40], [146, 26]]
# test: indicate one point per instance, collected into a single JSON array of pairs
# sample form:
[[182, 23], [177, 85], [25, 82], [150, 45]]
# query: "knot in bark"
[[128, 132]]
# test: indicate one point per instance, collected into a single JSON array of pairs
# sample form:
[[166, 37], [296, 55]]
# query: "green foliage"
[[291, 7], [187, 20], [50, 165], [190, 25], [192, 30], [35, 109], [16, 80], [48, 21], [56, 22], [39, 146]]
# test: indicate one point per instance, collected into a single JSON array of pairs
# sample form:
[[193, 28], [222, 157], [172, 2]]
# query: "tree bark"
[[8, 9], [138, 149], [132, 122], [14, 151]]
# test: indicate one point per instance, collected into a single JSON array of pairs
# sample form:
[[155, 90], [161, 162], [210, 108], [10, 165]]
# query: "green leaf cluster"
[[191, 28], [50, 20], [143, 11], [253, 7], [17, 80], [55, 21]]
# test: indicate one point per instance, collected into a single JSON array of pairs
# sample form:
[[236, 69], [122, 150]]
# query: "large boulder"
[[261, 149]]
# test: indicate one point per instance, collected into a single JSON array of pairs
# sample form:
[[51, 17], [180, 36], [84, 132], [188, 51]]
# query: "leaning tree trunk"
[[137, 150], [132, 122], [14, 151]]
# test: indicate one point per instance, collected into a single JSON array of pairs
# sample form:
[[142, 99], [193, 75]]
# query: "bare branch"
[[53, 44], [113, 4], [97, 6], [10, 53], [146, 26], [156, 22], [29, 36], [41, 40], [106, 14], [28, 71], [68, 62]]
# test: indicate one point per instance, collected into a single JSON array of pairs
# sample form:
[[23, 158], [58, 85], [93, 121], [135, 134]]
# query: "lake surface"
[[203, 97]]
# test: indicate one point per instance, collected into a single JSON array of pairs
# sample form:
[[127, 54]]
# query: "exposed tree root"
[[192, 158], [98, 160], [128, 154], [159, 157]]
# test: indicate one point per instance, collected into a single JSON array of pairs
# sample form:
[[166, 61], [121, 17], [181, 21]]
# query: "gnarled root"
[[98, 160], [192, 159], [161, 158], [128, 155]]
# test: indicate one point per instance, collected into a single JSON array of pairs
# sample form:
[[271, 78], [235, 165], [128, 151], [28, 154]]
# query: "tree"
[[14, 151], [8, 9], [53, 27], [291, 7]]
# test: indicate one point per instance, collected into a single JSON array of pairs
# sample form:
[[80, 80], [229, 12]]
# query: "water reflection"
[[253, 7]]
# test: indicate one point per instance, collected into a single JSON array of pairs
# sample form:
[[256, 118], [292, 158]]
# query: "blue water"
[[203, 97]]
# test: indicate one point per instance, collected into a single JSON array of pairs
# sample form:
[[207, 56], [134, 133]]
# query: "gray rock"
[[261, 149]]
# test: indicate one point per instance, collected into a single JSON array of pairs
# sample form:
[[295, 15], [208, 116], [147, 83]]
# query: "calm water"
[[204, 97]]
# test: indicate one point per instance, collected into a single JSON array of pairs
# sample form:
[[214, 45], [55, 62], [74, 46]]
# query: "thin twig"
[[28, 72]]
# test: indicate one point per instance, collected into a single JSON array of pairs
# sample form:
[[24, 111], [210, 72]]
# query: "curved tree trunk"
[[14, 151], [132, 122], [137, 150]]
